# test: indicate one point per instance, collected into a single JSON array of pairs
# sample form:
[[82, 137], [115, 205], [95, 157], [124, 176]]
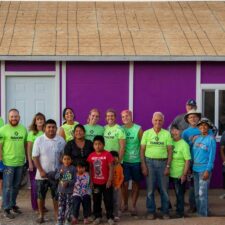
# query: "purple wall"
[[162, 86], [29, 66], [99, 85], [213, 72]]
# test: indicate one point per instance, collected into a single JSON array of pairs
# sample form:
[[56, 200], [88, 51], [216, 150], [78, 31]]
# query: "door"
[[31, 95]]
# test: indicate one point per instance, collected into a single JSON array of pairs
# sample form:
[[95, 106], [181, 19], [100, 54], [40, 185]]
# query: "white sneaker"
[[96, 221], [222, 196], [111, 222]]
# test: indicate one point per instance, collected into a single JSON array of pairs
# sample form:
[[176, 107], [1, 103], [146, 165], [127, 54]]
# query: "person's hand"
[[109, 183], [205, 175], [183, 178], [43, 174], [31, 166], [167, 171], [64, 184], [144, 169]]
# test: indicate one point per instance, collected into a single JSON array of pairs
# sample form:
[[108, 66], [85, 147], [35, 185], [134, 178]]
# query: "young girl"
[[66, 175], [117, 182], [101, 172], [81, 193]]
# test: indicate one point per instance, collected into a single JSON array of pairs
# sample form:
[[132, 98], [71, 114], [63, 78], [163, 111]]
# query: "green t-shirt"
[[181, 153], [31, 137], [1, 122], [13, 141], [156, 144], [92, 130], [68, 130], [112, 135], [132, 148]]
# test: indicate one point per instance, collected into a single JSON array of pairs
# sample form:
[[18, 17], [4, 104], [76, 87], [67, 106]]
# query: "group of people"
[[81, 164]]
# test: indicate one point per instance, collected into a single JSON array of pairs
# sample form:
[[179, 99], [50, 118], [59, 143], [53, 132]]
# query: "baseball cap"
[[191, 102]]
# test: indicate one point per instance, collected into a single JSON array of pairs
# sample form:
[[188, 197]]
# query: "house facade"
[[145, 57]]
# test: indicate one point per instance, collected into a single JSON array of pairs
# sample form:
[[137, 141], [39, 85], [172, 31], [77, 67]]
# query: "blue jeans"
[[155, 178], [179, 191], [201, 193], [12, 177]]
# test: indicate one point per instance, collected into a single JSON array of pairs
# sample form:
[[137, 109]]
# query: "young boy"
[[66, 176], [204, 151], [101, 172], [81, 193], [117, 182]]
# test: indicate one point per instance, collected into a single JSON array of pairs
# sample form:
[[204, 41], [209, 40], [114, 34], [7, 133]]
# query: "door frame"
[[5, 74]]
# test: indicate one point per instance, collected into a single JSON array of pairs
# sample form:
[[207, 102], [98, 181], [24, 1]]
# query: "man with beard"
[[12, 154]]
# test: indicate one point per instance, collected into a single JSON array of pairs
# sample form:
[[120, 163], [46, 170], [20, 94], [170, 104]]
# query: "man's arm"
[[39, 167], [0, 152], [142, 156]]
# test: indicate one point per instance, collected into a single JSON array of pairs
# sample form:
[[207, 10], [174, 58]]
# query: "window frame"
[[216, 88]]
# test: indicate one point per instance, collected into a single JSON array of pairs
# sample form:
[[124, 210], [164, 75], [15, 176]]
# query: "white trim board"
[[131, 86], [63, 77], [30, 73], [5, 74], [3, 103]]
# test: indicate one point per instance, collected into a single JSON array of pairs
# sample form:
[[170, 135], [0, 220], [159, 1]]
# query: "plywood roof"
[[112, 28]]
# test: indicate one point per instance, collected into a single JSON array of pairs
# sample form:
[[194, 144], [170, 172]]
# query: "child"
[[117, 182], [101, 172], [204, 151], [66, 176], [81, 193]]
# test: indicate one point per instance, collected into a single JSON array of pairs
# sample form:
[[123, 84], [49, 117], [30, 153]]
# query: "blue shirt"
[[204, 152], [191, 132]]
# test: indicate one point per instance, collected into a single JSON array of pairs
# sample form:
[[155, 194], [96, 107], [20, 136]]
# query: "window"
[[213, 105]]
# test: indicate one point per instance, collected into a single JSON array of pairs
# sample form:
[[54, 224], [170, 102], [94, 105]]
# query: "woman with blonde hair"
[[35, 130], [92, 128]]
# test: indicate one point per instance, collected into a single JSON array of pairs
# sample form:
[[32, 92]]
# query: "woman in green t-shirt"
[[35, 130], [66, 130], [92, 128], [114, 135], [179, 167]]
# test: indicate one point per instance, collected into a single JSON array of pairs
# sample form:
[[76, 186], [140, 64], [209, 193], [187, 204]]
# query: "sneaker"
[[166, 216], [74, 221], [110, 222], [16, 210], [222, 196], [40, 220], [96, 221], [133, 212], [150, 216], [67, 222], [124, 208], [86, 221], [116, 219], [192, 210], [8, 214]]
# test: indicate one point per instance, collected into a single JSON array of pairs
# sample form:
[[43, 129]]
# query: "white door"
[[31, 95]]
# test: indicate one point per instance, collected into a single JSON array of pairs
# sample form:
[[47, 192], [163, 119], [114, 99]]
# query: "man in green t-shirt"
[[12, 154], [156, 155], [131, 159]]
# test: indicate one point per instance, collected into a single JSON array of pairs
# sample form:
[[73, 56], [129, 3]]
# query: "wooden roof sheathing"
[[164, 29]]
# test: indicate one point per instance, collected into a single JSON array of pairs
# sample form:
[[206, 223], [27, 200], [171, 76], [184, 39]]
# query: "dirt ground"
[[217, 208]]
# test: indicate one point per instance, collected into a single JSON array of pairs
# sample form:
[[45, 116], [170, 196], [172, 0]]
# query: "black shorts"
[[42, 189], [1, 175]]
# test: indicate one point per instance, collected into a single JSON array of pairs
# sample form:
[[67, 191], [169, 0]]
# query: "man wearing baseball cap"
[[179, 121]]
